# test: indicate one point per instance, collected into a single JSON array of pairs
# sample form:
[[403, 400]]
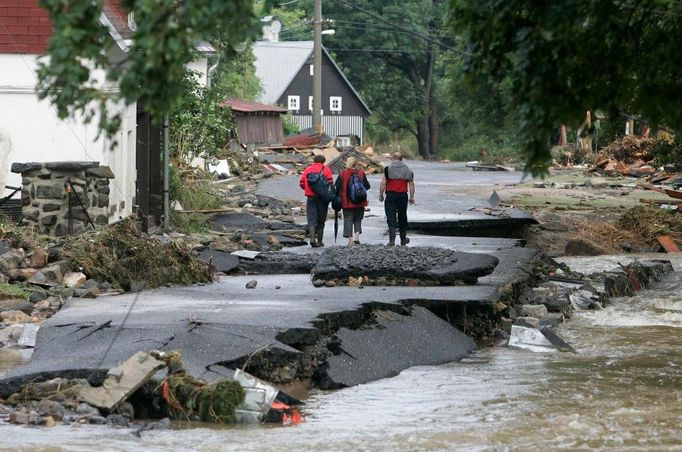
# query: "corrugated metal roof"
[[277, 63], [251, 107]]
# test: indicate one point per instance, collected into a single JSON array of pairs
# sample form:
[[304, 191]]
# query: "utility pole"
[[317, 68], [166, 176]]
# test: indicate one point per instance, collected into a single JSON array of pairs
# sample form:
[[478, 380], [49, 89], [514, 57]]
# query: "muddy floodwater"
[[622, 391]]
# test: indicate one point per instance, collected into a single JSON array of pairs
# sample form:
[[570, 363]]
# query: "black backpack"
[[321, 186], [357, 192]]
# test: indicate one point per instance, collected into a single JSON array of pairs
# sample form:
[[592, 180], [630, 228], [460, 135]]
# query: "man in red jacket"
[[398, 180], [316, 209]]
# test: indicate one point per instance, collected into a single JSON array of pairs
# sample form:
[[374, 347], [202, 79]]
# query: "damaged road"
[[282, 326]]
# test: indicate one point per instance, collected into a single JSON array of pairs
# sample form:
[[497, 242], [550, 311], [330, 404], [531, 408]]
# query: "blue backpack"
[[357, 192]]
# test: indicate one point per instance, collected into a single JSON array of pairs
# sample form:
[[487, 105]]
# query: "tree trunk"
[[429, 107], [423, 137]]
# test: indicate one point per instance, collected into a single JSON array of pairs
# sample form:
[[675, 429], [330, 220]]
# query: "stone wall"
[[45, 199]]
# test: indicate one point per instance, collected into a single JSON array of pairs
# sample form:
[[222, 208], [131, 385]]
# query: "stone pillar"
[[55, 196]]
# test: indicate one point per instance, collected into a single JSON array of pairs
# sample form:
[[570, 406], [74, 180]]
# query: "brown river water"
[[622, 391]]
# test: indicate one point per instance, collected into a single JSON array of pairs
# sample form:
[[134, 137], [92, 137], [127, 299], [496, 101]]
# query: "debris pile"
[[365, 156], [139, 388], [122, 255]]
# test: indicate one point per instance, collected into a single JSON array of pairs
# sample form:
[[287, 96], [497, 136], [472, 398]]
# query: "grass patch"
[[122, 254], [189, 222], [13, 291]]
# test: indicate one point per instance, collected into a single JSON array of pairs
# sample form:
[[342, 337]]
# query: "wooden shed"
[[256, 123]]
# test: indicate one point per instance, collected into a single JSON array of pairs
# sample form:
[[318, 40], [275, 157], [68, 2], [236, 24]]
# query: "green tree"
[[154, 68], [200, 125], [393, 68], [564, 58], [475, 113]]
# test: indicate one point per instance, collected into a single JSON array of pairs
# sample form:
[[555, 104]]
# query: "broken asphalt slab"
[[394, 343], [427, 264], [225, 322]]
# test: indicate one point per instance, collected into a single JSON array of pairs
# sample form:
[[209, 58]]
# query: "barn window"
[[310, 103], [312, 70], [335, 103], [294, 102]]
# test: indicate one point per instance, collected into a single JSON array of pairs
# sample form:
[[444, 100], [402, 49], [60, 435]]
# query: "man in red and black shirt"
[[398, 180], [316, 208]]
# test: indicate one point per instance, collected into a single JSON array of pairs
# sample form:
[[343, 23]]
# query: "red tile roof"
[[246, 106]]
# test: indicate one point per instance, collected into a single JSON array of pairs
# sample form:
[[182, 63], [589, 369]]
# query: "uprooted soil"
[[597, 232]]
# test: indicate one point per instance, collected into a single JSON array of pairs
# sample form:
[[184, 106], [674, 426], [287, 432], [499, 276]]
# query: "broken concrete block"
[[539, 311], [136, 371], [74, 279], [556, 340], [530, 339], [28, 335]]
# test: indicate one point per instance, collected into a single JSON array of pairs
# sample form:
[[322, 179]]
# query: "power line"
[[372, 27], [399, 27]]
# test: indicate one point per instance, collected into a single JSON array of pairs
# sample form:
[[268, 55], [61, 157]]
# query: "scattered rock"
[[19, 417], [251, 284], [528, 322], [318, 283], [37, 295], [538, 311], [163, 424], [13, 317], [38, 258], [97, 420], [117, 420], [16, 304], [51, 408], [92, 292], [330, 283], [74, 279], [86, 410]]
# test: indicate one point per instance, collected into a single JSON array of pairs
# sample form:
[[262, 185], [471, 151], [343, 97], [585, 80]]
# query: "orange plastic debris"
[[668, 244]]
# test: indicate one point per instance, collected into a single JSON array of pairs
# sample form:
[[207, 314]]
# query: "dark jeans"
[[395, 207], [316, 211]]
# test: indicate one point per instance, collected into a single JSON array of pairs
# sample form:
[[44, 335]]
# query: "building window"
[[310, 103], [294, 102], [312, 70], [335, 103]]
